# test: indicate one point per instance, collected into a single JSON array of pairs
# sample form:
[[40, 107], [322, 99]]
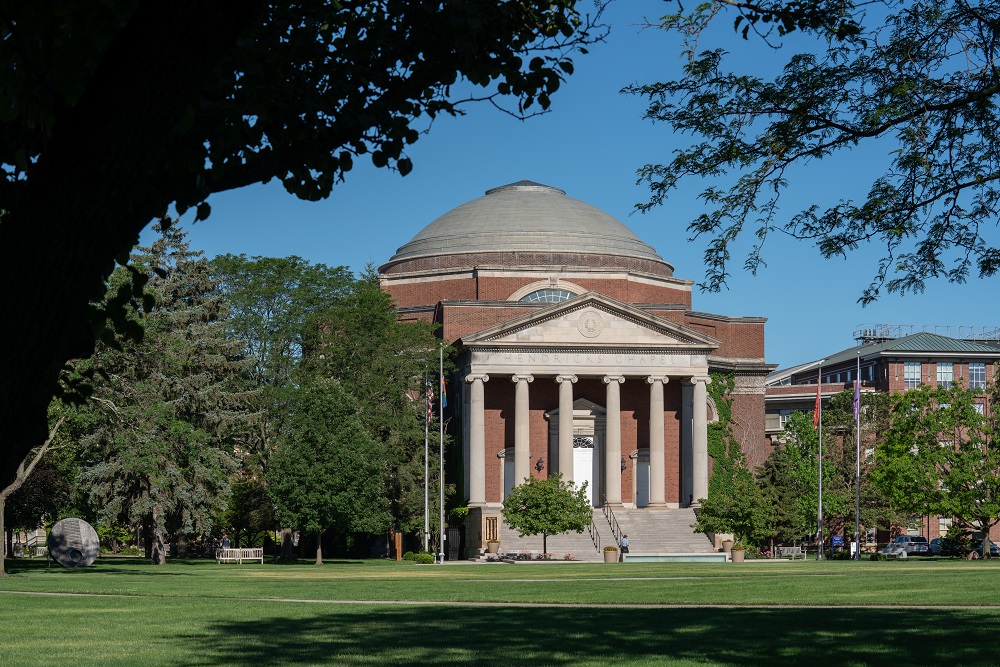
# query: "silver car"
[[907, 545]]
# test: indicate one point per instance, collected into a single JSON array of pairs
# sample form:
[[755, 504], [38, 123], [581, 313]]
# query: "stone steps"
[[661, 531], [579, 545], [649, 531]]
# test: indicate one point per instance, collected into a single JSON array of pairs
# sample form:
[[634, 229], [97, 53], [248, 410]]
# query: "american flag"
[[430, 402]]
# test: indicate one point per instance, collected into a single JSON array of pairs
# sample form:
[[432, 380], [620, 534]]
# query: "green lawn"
[[198, 613]]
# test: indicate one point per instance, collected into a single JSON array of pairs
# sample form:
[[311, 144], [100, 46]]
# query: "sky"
[[590, 145]]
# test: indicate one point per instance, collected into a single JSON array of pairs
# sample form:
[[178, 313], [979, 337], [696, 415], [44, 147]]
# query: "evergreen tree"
[[381, 362], [171, 409], [328, 473]]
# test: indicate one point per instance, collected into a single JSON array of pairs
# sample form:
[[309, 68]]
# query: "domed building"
[[578, 352]]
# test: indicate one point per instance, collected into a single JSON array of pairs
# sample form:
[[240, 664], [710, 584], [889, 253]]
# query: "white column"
[[566, 426], [657, 456], [613, 441], [687, 470], [477, 440], [522, 443], [699, 438]]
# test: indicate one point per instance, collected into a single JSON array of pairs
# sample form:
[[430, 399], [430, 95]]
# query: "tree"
[[172, 407], [739, 509], [939, 457], [116, 109], [24, 471], [916, 77], [547, 506], [273, 303], [790, 475], [328, 472], [381, 362]]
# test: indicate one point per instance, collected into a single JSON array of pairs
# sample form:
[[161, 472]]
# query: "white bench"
[[239, 555], [791, 553]]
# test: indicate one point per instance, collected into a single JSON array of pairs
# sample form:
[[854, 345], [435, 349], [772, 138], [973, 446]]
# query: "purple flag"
[[857, 400]]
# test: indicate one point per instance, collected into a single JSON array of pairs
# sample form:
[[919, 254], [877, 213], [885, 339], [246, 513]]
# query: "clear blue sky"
[[590, 145]]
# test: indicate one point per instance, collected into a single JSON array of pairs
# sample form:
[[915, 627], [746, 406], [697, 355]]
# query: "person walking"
[[623, 547]]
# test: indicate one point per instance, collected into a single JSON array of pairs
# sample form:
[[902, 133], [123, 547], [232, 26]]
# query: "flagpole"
[[441, 443], [427, 467], [857, 491], [818, 422]]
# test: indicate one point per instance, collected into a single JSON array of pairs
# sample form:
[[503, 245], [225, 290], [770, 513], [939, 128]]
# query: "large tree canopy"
[[916, 79], [115, 109]]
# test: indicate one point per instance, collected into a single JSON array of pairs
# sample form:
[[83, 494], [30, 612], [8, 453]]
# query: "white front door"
[[583, 466]]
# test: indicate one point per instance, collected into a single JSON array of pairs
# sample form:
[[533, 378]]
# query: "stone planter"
[[738, 555], [610, 556], [727, 546], [492, 547]]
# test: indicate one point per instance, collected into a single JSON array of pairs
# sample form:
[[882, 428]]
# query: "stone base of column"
[[615, 506], [657, 506], [695, 505]]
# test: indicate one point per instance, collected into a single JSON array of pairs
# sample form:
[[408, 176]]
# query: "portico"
[[613, 352]]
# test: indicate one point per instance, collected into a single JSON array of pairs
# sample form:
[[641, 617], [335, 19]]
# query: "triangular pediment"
[[592, 320]]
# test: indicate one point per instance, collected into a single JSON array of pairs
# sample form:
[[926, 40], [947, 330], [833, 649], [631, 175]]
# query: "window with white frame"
[[977, 375], [911, 374], [980, 408], [945, 374], [944, 524], [783, 417]]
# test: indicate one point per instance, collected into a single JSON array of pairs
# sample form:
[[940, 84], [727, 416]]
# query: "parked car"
[[907, 545], [946, 546], [977, 546]]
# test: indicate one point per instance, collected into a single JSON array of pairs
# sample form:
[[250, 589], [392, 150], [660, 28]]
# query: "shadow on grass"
[[571, 636]]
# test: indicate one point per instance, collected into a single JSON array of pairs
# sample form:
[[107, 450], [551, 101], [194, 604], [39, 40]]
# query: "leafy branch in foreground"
[[918, 76]]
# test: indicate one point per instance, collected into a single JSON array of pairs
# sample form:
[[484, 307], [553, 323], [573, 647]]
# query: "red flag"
[[819, 386]]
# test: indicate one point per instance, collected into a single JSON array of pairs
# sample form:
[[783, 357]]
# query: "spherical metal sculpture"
[[73, 543]]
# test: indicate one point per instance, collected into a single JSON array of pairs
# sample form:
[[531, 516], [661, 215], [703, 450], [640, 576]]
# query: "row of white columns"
[[694, 426]]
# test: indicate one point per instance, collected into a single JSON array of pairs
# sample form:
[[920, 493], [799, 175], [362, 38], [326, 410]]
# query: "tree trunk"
[[158, 555], [319, 547], [3, 535], [545, 543], [286, 545]]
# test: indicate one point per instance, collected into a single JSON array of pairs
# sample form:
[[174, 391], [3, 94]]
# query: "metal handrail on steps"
[[616, 530], [595, 536]]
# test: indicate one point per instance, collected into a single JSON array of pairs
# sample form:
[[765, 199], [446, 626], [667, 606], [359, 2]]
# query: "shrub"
[[409, 555], [878, 556], [610, 548], [423, 559]]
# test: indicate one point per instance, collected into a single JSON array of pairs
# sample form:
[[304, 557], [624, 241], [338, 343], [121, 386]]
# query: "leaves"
[[886, 78], [547, 506]]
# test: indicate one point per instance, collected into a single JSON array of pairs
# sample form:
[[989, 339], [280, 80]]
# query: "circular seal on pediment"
[[590, 324]]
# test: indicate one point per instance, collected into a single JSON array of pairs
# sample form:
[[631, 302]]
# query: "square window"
[[945, 375], [979, 408], [977, 376]]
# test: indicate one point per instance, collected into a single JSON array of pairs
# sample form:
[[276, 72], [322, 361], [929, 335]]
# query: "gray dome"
[[525, 217]]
